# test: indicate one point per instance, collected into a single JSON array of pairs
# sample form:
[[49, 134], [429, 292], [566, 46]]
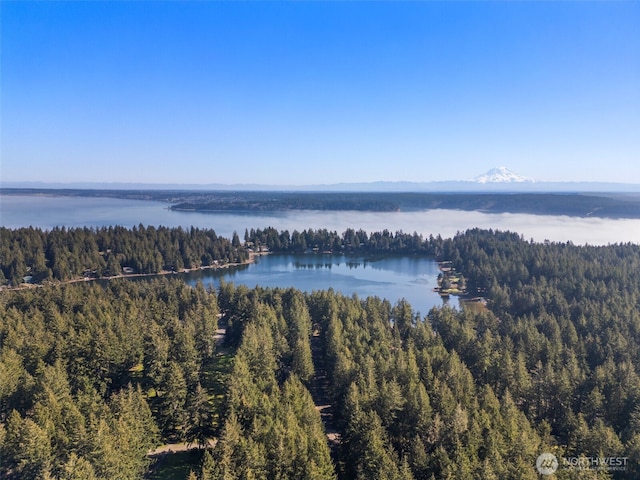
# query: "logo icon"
[[547, 464]]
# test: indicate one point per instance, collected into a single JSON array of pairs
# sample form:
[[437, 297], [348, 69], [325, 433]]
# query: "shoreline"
[[28, 286]]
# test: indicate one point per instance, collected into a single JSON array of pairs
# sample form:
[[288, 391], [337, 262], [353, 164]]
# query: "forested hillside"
[[92, 377], [513, 200], [64, 254]]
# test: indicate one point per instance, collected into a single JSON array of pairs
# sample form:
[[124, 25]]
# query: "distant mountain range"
[[499, 179]]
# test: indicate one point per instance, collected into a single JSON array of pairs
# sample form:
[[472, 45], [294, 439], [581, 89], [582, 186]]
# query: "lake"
[[393, 278]]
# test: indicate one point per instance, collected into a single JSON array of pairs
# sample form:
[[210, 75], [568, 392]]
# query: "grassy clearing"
[[175, 466]]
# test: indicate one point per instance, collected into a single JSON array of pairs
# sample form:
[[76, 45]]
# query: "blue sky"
[[293, 93]]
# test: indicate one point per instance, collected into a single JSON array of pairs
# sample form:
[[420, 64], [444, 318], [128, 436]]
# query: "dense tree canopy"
[[64, 254], [92, 376]]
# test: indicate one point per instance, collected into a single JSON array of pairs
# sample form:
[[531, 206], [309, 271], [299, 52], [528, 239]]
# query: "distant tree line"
[[349, 241], [63, 254], [275, 201], [572, 204], [542, 203]]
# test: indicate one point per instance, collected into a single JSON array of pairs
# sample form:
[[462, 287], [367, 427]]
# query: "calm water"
[[391, 278], [47, 212]]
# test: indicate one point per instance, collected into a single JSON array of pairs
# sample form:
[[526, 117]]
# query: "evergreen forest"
[[95, 375]]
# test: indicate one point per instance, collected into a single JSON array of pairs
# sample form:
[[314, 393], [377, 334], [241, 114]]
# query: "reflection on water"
[[392, 278]]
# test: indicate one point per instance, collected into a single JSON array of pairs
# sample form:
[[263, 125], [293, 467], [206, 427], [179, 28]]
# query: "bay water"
[[412, 278], [50, 211]]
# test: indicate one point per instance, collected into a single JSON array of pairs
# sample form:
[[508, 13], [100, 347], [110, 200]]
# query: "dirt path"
[[183, 447], [179, 447], [320, 391]]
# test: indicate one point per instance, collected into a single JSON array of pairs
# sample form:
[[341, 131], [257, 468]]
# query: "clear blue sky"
[[293, 93]]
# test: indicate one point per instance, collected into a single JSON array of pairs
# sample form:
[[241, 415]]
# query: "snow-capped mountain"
[[501, 175]]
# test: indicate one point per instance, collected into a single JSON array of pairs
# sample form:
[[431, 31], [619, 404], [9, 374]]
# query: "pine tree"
[[173, 413], [77, 468], [209, 469], [302, 363], [26, 448], [200, 424]]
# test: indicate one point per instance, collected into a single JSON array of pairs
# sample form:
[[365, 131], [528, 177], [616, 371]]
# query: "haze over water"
[[392, 278], [47, 212]]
